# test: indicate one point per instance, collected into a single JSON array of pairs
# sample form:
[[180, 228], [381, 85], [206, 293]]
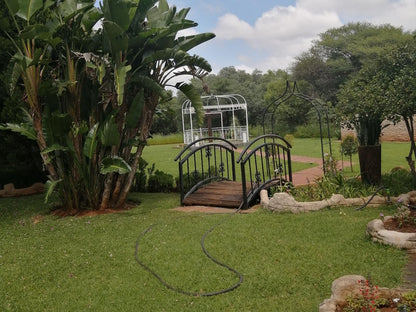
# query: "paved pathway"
[[308, 176]]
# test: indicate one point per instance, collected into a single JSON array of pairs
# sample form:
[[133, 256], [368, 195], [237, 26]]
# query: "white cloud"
[[399, 13], [281, 33], [230, 26]]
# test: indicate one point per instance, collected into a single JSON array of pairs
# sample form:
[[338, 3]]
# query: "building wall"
[[392, 133]]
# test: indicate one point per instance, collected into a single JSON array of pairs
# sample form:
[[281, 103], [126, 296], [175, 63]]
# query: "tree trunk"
[[412, 152], [370, 163], [146, 123]]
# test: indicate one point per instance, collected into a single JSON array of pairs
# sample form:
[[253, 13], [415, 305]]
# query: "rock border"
[[282, 202], [378, 233]]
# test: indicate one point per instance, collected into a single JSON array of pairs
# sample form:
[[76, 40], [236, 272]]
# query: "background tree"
[[396, 77], [252, 87], [92, 95], [340, 53]]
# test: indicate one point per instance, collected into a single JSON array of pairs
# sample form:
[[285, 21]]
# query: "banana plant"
[[147, 50], [92, 92]]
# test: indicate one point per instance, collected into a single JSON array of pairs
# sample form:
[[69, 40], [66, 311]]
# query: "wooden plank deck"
[[228, 194]]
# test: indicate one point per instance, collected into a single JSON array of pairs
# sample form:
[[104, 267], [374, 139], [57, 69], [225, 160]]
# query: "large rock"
[[341, 289], [347, 286], [10, 191], [281, 202]]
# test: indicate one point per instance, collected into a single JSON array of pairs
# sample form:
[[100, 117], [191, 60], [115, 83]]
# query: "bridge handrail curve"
[[210, 139], [247, 149]]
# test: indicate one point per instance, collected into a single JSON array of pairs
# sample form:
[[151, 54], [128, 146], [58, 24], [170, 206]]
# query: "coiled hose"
[[190, 293]]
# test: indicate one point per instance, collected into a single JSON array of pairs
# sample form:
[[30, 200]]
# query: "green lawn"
[[87, 263], [392, 153], [163, 156]]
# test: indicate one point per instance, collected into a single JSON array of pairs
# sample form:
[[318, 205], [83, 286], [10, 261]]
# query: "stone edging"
[[281, 202], [378, 233]]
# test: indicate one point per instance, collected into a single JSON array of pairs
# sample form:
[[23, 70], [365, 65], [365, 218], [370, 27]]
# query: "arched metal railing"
[[204, 161], [265, 162]]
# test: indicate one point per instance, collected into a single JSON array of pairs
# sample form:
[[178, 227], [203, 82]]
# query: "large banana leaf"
[[90, 144], [55, 148], [114, 164], [119, 12], [23, 129], [193, 95], [115, 38], [13, 6], [120, 80], [135, 111], [140, 14], [189, 42], [152, 85], [109, 135], [50, 187], [27, 8]]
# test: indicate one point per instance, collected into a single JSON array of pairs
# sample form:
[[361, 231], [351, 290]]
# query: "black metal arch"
[[318, 105]]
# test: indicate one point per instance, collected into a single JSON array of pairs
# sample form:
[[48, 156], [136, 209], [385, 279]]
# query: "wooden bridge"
[[207, 171]]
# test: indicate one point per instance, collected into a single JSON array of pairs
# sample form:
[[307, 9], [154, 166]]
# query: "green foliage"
[[394, 183], [92, 94], [349, 146], [160, 182], [341, 52], [252, 86], [140, 179], [290, 138]]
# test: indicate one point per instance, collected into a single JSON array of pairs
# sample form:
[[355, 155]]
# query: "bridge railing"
[[265, 162], [204, 161]]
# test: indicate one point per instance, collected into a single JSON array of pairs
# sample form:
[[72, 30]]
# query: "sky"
[[269, 34]]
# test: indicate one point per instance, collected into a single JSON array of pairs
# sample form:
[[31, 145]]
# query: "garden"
[[88, 263], [89, 87]]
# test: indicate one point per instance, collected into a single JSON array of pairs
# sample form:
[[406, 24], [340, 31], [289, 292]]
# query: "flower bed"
[[352, 293]]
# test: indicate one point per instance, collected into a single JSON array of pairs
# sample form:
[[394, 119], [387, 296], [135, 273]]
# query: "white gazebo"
[[225, 116]]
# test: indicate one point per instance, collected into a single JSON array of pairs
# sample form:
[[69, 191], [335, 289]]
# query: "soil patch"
[[62, 213], [406, 227]]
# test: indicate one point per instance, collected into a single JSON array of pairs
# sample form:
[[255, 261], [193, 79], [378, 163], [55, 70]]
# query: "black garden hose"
[[372, 196], [190, 293]]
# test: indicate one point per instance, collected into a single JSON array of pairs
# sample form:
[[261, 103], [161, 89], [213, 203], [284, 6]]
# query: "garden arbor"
[[225, 116], [269, 117]]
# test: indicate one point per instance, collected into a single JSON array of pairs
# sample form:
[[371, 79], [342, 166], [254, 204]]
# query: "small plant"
[[368, 300], [330, 164], [403, 217], [349, 146], [382, 217]]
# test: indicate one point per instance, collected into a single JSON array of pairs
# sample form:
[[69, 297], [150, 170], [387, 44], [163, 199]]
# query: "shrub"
[[160, 182], [140, 179], [290, 138]]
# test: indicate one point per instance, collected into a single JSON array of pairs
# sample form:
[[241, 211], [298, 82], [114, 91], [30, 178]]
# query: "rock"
[[377, 232], [10, 191], [349, 285], [285, 202], [341, 289]]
